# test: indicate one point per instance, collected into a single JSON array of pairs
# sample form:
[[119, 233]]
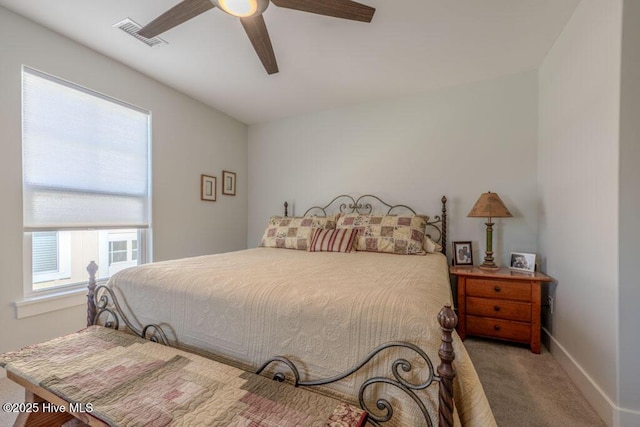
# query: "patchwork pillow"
[[294, 232], [336, 240], [397, 234]]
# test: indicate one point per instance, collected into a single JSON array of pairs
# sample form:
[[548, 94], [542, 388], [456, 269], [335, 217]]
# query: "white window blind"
[[45, 252], [86, 160]]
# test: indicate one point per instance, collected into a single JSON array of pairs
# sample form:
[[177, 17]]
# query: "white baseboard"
[[629, 418], [611, 414]]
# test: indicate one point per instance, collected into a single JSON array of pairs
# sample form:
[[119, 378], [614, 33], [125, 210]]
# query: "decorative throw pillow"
[[430, 246], [293, 232], [323, 240], [397, 234]]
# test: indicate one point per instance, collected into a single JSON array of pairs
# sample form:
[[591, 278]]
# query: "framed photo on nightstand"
[[462, 253], [523, 262]]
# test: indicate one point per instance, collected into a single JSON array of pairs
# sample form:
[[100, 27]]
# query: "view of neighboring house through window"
[[51, 252], [123, 249], [86, 183]]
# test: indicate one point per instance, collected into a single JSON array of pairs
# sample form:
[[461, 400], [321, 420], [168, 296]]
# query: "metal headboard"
[[370, 204]]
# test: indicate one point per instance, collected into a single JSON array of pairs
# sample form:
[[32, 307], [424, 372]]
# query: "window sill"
[[35, 305]]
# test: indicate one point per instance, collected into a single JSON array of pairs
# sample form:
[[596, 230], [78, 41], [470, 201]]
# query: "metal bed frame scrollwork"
[[444, 376], [369, 204], [103, 308]]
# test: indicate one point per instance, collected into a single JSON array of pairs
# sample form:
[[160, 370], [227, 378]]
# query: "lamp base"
[[489, 267]]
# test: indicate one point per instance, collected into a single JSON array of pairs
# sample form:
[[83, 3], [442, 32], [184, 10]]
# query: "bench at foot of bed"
[[103, 376], [108, 377]]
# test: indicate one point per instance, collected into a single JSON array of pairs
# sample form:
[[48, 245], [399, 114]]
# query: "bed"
[[324, 311]]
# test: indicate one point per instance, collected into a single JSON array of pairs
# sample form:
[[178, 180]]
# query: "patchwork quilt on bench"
[[133, 382]]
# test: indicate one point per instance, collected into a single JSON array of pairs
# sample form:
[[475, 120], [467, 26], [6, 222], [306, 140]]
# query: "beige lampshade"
[[489, 205]]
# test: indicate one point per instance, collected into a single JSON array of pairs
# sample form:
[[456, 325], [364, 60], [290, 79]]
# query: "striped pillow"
[[323, 240]]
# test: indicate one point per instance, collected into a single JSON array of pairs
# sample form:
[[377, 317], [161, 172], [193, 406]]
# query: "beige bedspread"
[[325, 311]]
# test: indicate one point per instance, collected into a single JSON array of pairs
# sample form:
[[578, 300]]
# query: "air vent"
[[131, 27]]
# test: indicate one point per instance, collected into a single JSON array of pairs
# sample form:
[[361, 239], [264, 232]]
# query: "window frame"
[[31, 295]]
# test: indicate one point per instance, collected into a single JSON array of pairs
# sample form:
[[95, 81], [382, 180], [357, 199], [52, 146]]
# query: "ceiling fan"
[[250, 14]]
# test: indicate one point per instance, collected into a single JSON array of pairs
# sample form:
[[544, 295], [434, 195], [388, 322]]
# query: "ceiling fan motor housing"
[[242, 8]]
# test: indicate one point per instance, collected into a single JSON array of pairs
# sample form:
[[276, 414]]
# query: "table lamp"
[[489, 205]]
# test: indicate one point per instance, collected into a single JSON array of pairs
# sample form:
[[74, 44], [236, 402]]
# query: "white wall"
[[629, 294], [188, 139], [578, 184], [461, 142]]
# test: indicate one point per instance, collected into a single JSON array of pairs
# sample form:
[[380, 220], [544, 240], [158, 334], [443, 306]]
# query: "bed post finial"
[[286, 209], [92, 269], [448, 321], [443, 240]]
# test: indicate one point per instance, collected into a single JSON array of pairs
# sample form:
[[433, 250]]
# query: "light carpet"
[[526, 389], [10, 392]]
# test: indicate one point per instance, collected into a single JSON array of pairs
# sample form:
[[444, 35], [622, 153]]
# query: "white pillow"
[[430, 246]]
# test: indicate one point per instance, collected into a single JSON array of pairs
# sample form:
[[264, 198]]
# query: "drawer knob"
[[496, 327], [497, 288], [496, 308]]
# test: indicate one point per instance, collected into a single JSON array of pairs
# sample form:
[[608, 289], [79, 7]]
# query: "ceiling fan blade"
[[259, 36], [346, 9], [175, 16]]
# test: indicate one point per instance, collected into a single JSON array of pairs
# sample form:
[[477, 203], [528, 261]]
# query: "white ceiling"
[[410, 46]]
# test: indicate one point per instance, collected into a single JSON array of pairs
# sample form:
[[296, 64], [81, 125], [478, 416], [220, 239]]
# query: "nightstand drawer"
[[501, 309], [500, 304], [496, 328], [502, 289]]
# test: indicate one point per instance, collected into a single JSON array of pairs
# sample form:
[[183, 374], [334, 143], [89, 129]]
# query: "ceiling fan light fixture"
[[242, 8], [250, 14]]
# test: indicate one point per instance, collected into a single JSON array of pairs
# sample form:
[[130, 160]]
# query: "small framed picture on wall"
[[462, 253], [523, 262], [208, 188], [228, 183]]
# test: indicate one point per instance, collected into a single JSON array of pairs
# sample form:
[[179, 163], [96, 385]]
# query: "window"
[[51, 256], [122, 250], [86, 183], [117, 252], [45, 251]]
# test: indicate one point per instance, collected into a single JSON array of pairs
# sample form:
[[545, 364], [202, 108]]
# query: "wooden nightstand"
[[503, 304]]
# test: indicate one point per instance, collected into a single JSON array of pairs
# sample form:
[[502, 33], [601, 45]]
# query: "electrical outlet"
[[550, 304]]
